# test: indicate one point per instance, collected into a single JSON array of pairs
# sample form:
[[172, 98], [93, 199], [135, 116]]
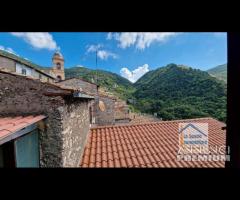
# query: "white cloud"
[[8, 49], [102, 54], [134, 75], [93, 48], [109, 36], [39, 40], [140, 40]]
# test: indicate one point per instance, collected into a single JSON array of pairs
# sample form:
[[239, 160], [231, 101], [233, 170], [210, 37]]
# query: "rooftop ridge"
[[79, 79], [149, 123]]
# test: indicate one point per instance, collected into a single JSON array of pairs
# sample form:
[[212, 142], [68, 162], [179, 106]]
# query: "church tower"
[[58, 66]]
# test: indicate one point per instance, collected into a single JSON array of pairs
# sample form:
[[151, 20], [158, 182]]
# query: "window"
[[24, 71], [58, 65], [40, 76], [59, 78]]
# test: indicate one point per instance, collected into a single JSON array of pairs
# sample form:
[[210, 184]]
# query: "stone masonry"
[[99, 117], [67, 124]]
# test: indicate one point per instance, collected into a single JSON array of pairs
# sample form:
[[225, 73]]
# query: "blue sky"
[[128, 54]]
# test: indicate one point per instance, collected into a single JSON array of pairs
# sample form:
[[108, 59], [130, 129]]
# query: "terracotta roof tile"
[[115, 156], [10, 125], [123, 162], [117, 163], [145, 145], [110, 163], [129, 162], [104, 157], [98, 158], [98, 164]]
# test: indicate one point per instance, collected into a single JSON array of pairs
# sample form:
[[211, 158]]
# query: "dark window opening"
[[7, 158], [90, 115], [40, 76], [58, 65], [24, 71], [59, 78]]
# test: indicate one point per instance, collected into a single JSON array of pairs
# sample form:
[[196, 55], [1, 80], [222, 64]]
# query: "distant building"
[[12, 63], [58, 66]]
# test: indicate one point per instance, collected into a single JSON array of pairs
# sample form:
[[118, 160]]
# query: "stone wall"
[[6, 63], [75, 119], [99, 117], [121, 111], [104, 117], [67, 123]]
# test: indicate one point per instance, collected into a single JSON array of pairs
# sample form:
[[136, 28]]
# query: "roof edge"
[[159, 122], [79, 79]]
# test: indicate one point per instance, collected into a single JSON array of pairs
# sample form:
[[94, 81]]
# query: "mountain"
[[173, 91], [114, 83], [178, 92], [219, 72]]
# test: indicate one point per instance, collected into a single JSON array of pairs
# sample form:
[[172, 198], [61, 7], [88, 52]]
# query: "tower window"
[[59, 78], [58, 65]]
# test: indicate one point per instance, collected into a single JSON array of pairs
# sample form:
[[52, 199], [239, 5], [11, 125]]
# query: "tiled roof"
[[10, 125], [25, 62], [144, 145]]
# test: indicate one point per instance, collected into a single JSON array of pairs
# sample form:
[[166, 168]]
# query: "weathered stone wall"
[[104, 117], [20, 95], [99, 117], [75, 121], [6, 63], [67, 122], [121, 111]]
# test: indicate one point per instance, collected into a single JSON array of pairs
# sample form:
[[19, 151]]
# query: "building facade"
[[12, 63]]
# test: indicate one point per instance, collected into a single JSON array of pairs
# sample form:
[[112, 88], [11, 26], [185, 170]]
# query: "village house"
[[53, 115], [65, 112]]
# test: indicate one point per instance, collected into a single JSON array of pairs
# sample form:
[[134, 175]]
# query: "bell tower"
[[58, 66]]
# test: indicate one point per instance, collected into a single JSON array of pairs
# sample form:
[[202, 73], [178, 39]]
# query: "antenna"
[[96, 65]]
